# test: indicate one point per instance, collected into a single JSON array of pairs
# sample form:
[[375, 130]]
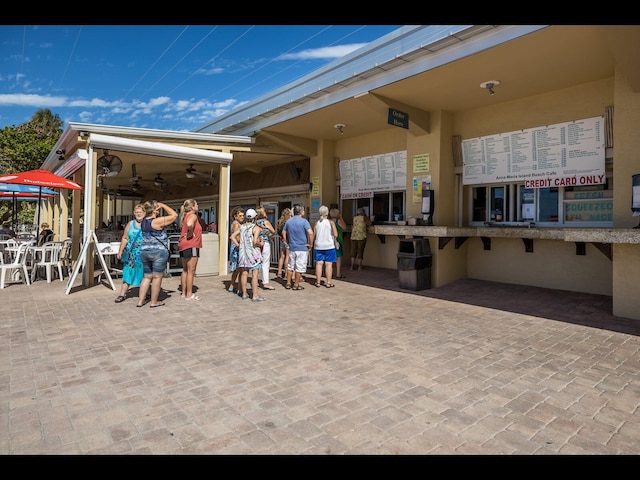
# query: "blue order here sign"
[[398, 118]]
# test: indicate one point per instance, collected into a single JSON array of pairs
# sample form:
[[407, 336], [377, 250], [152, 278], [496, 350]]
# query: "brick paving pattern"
[[363, 368]]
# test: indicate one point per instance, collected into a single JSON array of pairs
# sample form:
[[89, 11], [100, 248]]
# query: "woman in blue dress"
[[129, 254]]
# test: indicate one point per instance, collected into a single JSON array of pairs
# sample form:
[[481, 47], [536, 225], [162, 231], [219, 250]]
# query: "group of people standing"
[[252, 236], [144, 249]]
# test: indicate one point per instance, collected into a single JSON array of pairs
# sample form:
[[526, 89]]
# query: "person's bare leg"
[[328, 270], [254, 283], [280, 262], [286, 259], [243, 283], [290, 277], [187, 285], [233, 284], [144, 288], [183, 277], [319, 273], [156, 283]]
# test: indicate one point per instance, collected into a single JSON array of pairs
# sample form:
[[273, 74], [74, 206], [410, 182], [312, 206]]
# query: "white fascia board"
[[159, 149], [150, 133]]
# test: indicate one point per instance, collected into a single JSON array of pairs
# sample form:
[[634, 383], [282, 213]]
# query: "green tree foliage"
[[46, 124], [26, 147]]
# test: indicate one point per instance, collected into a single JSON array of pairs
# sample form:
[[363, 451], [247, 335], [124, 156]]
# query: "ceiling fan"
[[159, 181], [135, 178], [126, 191], [109, 165], [191, 172], [209, 182], [136, 187]]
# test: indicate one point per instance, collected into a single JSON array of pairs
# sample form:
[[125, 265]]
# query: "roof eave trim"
[[159, 149]]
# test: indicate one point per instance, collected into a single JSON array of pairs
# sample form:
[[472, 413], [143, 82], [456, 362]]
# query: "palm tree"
[[47, 124]]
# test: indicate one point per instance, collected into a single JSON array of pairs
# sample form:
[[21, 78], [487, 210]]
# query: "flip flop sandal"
[[298, 287], [268, 288], [287, 287], [341, 276], [259, 299], [161, 304], [329, 285], [120, 299], [193, 297], [317, 285]]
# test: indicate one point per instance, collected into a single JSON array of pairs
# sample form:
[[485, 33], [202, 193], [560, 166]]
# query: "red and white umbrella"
[[22, 195], [41, 179]]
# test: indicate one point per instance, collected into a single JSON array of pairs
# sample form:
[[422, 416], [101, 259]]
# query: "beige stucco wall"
[[573, 103], [626, 146], [553, 263]]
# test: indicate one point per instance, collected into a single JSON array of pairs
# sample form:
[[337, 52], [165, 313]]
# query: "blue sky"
[[173, 77]]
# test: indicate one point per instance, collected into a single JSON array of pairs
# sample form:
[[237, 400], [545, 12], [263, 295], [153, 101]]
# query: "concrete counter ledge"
[[600, 235]]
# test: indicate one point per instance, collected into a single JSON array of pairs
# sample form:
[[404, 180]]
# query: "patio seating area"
[[25, 262]]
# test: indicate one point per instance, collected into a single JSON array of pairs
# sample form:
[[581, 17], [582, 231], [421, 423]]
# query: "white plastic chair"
[[66, 261], [49, 259], [25, 237], [17, 265]]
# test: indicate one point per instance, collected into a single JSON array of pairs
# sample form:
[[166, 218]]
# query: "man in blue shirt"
[[297, 232]]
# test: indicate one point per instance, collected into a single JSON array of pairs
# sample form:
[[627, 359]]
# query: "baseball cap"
[[251, 213]]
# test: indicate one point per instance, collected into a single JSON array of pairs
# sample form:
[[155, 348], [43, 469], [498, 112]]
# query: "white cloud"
[[98, 110], [322, 53], [29, 100]]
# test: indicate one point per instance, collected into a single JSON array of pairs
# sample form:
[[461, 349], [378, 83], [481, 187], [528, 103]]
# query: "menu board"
[[570, 153], [361, 177]]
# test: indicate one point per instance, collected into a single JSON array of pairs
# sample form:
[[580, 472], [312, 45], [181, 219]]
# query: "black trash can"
[[414, 264]]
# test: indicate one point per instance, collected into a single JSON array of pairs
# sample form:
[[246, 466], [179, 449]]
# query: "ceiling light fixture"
[[340, 127], [489, 86]]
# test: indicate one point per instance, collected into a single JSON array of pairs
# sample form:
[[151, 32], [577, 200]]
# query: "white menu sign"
[[360, 177], [570, 153]]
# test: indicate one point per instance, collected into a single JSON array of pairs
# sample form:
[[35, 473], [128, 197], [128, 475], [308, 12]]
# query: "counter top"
[[596, 235]]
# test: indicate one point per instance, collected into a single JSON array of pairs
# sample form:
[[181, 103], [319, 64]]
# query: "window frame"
[[395, 199], [545, 201]]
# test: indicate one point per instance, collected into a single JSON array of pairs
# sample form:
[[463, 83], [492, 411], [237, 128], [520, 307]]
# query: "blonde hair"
[[284, 216], [44, 225], [186, 207], [262, 213], [323, 211]]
